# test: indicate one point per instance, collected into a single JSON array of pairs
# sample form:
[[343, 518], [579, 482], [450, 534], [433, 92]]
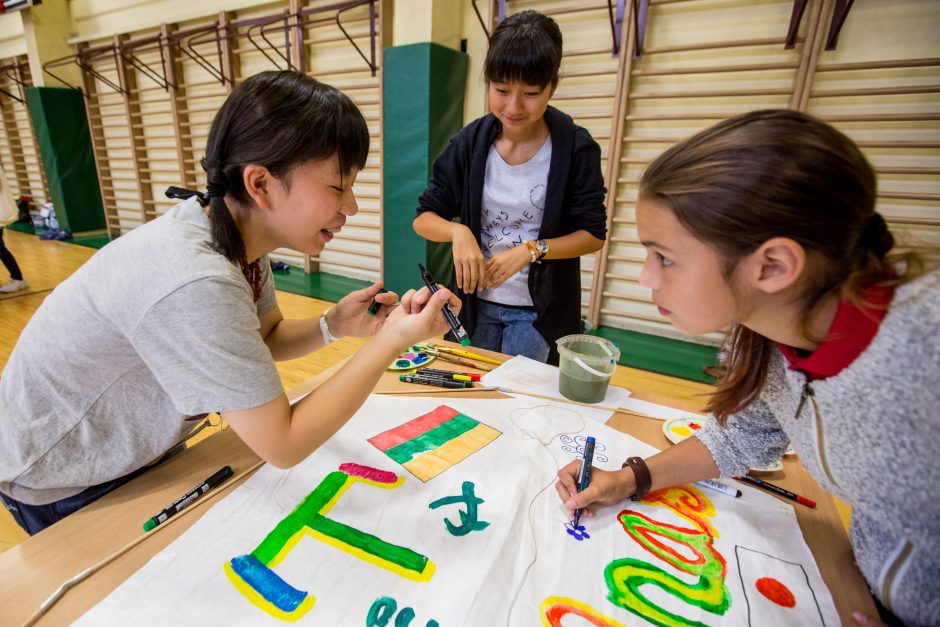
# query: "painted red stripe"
[[367, 472], [412, 428]]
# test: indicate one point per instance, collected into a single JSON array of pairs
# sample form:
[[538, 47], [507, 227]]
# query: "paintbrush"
[[453, 358], [465, 354]]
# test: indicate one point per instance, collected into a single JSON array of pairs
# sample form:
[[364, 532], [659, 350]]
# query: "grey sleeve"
[[202, 343], [751, 438]]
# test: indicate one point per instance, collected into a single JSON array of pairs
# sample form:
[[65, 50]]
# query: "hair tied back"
[[181, 193], [875, 237]]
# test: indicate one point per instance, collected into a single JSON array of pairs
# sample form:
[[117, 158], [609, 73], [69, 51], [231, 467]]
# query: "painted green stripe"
[[430, 440], [404, 557], [659, 354], [308, 510]]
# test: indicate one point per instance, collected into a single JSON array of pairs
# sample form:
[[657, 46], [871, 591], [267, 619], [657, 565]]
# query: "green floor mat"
[[320, 285], [91, 241], [659, 354]]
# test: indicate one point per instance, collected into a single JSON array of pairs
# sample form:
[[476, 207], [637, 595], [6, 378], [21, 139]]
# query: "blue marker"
[[585, 478]]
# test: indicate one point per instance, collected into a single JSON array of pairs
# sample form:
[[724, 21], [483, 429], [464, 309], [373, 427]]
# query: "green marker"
[[189, 498]]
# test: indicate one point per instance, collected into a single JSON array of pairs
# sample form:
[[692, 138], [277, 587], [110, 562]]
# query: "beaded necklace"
[[252, 272]]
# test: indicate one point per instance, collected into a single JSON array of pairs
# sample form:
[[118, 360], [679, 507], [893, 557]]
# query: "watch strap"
[[641, 475]]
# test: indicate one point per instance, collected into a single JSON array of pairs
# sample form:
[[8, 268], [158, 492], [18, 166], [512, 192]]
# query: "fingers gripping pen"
[[455, 325]]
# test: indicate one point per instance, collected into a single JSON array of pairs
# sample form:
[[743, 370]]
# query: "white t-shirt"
[[513, 204], [155, 327]]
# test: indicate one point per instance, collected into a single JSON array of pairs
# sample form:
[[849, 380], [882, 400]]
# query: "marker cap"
[[150, 524]]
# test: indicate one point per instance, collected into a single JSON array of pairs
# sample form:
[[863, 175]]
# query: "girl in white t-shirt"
[[526, 184]]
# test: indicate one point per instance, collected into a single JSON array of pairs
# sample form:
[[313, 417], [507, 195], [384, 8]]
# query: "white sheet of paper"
[[522, 564], [655, 410], [528, 375]]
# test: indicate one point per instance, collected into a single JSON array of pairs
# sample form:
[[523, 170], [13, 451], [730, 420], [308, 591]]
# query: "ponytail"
[[778, 173], [225, 234]]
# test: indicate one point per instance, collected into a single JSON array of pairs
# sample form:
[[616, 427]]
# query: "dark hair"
[[776, 173], [278, 120], [525, 48]]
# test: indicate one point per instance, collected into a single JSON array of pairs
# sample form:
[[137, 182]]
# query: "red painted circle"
[[775, 591]]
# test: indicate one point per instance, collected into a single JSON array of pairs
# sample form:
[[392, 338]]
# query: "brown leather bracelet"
[[641, 474]]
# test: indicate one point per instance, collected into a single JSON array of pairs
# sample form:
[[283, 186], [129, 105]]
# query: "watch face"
[[542, 245]]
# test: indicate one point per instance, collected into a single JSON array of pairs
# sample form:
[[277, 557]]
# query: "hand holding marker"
[[455, 325], [584, 479]]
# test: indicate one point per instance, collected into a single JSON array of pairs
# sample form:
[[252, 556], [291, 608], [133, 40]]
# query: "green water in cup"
[[576, 381]]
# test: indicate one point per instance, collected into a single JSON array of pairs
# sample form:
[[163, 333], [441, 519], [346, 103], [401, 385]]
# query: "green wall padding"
[[423, 92], [61, 127], [659, 354]]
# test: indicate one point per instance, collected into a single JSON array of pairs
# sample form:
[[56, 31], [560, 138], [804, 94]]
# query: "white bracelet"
[[325, 329]]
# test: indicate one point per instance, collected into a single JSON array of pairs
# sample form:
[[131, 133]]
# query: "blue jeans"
[[35, 518], [508, 330]]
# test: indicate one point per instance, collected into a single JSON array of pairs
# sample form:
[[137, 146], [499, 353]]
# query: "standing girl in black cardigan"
[[525, 183]]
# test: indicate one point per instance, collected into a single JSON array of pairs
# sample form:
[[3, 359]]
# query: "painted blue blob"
[[265, 582], [420, 358], [402, 363]]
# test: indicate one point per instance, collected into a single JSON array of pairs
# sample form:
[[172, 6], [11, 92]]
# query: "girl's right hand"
[[419, 316], [606, 488], [469, 264]]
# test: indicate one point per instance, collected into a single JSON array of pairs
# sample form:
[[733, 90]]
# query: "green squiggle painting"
[[625, 577]]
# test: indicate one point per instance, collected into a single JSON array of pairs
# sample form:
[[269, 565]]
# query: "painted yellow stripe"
[[432, 463]]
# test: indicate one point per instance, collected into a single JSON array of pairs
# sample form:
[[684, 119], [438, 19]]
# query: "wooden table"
[[31, 571]]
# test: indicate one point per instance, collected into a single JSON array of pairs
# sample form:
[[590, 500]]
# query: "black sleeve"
[[444, 192], [584, 196]]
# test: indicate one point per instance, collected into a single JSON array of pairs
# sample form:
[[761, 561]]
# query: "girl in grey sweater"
[[765, 224]]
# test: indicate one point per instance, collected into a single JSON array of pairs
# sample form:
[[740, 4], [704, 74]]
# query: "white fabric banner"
[[431, 511]]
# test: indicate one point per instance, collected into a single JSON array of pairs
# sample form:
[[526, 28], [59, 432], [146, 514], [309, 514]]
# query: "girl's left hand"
[[501, 267], [349, 317]]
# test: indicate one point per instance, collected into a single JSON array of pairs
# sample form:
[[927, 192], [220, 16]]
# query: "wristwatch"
[[542, 247]]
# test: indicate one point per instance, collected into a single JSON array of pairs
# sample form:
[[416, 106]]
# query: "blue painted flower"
[[578, 533]]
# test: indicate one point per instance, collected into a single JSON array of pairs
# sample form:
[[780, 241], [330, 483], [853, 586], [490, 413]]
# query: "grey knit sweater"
[[871, 436]]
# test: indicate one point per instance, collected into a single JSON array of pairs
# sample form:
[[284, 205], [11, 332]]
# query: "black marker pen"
[[188, 498], [441, 383], [375, 305], [455, 325]]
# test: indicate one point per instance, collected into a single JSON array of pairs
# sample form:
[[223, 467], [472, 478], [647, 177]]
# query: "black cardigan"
[[574, 200]]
